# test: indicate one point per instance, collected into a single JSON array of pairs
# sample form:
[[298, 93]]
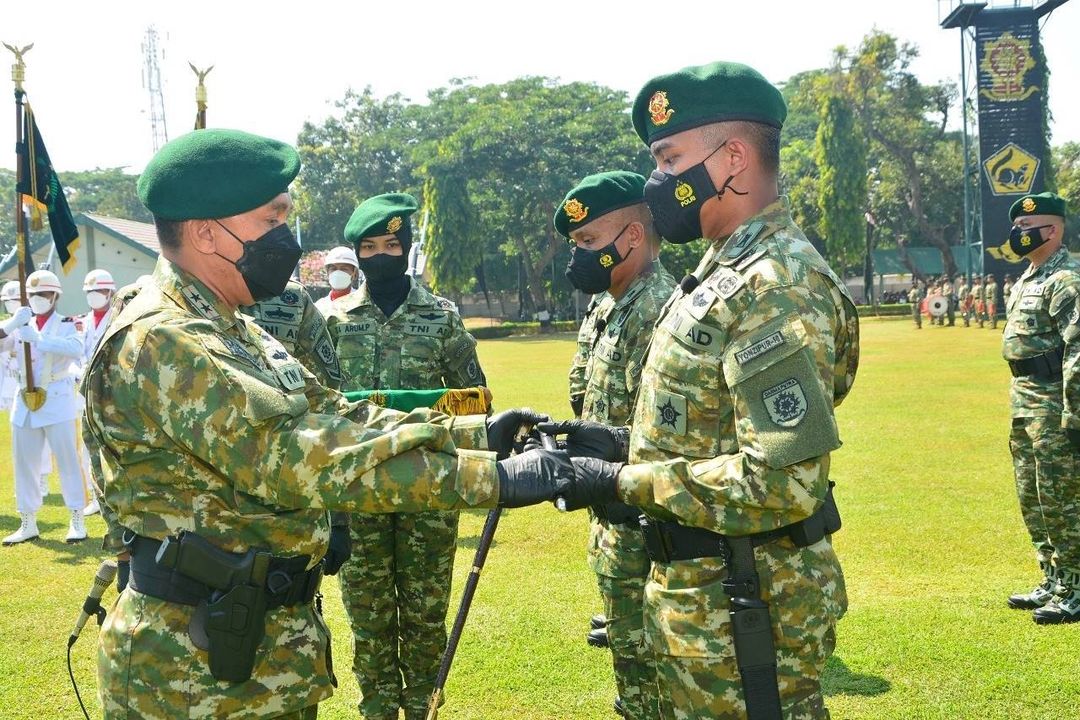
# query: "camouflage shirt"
[[1044, 315], [422, 345], [294, 321], [580, 363]]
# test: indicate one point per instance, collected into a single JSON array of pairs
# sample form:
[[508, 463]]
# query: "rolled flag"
[[450, 401]]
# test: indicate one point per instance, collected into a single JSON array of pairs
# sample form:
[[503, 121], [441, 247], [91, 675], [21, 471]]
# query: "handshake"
[[583, 472]]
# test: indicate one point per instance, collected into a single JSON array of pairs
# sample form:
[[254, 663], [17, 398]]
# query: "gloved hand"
[[595, 482], [339, 550], [27, 334], [577, 404], [504, 429], [21, 317], [585, 438], [533, 477]]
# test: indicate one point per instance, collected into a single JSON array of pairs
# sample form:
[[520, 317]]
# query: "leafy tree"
[[1067, 164], [841, 159]]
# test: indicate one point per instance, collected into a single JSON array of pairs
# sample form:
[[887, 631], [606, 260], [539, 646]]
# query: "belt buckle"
[[278, 582]]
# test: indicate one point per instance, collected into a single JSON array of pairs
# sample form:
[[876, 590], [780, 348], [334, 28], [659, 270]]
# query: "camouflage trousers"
[[617, 555], [688, 625], [1048, 485], [396, 590]]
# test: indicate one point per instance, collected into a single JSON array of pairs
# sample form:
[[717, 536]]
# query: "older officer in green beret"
[[616, 254], [220, 454], [1041, 343], [393, 334], [734, 426]]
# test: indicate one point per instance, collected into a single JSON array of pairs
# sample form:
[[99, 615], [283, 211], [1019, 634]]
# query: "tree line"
[[490, 164]]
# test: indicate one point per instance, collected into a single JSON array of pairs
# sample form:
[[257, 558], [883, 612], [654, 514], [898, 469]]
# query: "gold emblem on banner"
[[1011, 170], [1006, 60]]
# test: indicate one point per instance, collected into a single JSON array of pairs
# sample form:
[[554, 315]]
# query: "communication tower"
[[153, 54]]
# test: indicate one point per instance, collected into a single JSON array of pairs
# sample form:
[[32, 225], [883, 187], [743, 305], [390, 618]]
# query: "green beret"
[[380, 215], [215, 174], [705, 94], [597, 195], [1046, 203]]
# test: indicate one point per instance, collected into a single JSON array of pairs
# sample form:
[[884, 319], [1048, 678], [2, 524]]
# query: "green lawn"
[[932, 543]]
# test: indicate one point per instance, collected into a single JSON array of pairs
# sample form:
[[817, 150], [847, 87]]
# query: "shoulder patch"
[[290, 297], [785, 403], [446, 304], [738, 244]]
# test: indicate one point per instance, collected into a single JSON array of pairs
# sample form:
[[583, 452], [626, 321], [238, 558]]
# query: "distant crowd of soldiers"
[[939, 299]]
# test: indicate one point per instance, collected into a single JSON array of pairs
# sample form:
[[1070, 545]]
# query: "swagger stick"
[[34, 397], [486, 536]]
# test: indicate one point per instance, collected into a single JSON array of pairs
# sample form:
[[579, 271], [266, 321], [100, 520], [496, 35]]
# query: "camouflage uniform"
[[990, 295], [978, 302], [622, 329], [732, 432], [206, 424], [962, 302], [580, 362], [295, 322], [914, 296], [396, 586], [1043, 316]]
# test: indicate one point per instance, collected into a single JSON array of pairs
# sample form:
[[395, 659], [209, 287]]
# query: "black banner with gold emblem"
[[1012, 146]]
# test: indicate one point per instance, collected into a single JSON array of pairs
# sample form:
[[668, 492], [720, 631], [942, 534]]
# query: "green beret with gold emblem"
[[1046, 203], [216, 173], [597, 195], [705, 94], [381, 215]]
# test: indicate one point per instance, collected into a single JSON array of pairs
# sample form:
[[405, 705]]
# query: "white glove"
[[28, 334], [21, 317]]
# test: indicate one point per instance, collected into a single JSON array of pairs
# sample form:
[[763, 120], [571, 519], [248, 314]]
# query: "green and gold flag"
[[464, 401], [41, 188]]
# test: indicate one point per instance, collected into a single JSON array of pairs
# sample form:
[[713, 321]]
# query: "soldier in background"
[[962, 300], [1006, 288], [990, 300], [615, 257], [978, 300], [1041, 343], [394, 334], [586, 335], [99, 287], [915, 297], [950, 299]]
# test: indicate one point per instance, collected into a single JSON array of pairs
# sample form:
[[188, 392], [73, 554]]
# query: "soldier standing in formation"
[[615, 257], [950, 300], [56, 350], [978, 300], [215, 450], [990, 300], [962, 300], [394, 334], [915, 297], [1041, 342]]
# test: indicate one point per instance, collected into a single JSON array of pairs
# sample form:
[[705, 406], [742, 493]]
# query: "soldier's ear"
[[200, 234]]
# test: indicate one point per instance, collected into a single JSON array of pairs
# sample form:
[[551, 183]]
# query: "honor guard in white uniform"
[[48, 412], [342, 273], [99, 287]]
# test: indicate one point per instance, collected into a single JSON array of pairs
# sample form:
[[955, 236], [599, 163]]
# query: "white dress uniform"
[[55, 361]]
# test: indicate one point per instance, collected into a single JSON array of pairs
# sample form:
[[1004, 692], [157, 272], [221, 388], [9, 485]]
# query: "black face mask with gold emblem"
[[1024, 240], [590, 270], [675, 200]]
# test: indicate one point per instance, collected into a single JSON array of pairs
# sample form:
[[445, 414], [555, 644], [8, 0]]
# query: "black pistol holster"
[[230, 591], [751, 625]]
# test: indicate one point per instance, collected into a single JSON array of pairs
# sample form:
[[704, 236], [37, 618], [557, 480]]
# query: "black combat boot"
[[1042, 594], [597, 621], [619, 707], [1065, 607], [597, 638]]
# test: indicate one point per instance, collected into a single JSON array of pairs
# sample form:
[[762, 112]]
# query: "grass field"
[[932, 543]]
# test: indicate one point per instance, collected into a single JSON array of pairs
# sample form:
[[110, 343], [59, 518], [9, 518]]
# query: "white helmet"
[[10, 291], [341, 255], [98, 280], [43, 281]]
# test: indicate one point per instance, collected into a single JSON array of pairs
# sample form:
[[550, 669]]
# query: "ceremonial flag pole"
[[34, 397]]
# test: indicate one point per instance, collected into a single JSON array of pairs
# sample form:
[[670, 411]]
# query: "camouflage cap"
[[704, 94], [1046, 203], [381, 215], [596, 196], [216, 173]]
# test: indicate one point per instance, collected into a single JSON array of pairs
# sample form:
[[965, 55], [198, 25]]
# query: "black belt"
[[667, 542], [288, 582], [1042, 367], [617, 513]]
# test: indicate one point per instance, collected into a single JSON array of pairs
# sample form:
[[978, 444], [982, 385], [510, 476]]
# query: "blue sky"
[[279, 64]]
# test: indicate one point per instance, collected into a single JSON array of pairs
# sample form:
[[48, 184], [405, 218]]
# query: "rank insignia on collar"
[[198, 303], [394, 225], [658, 108], [575, 210]]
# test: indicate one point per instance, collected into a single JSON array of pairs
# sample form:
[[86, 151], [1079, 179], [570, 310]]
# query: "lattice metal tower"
[[153, 52]]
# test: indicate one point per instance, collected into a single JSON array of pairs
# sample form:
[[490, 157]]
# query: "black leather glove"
[[585, 438], [339, 550], [1074, 437], [577, 404], [595, 483], [505, 430], [123, 573], [533, 477]]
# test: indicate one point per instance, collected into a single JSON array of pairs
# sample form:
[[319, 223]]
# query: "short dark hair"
[[169, 232], [764, 138]]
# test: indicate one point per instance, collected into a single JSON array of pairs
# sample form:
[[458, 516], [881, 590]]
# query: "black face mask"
[[382, 268], [1025, 240], [590, 270], [267, 262], [675, 200]]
